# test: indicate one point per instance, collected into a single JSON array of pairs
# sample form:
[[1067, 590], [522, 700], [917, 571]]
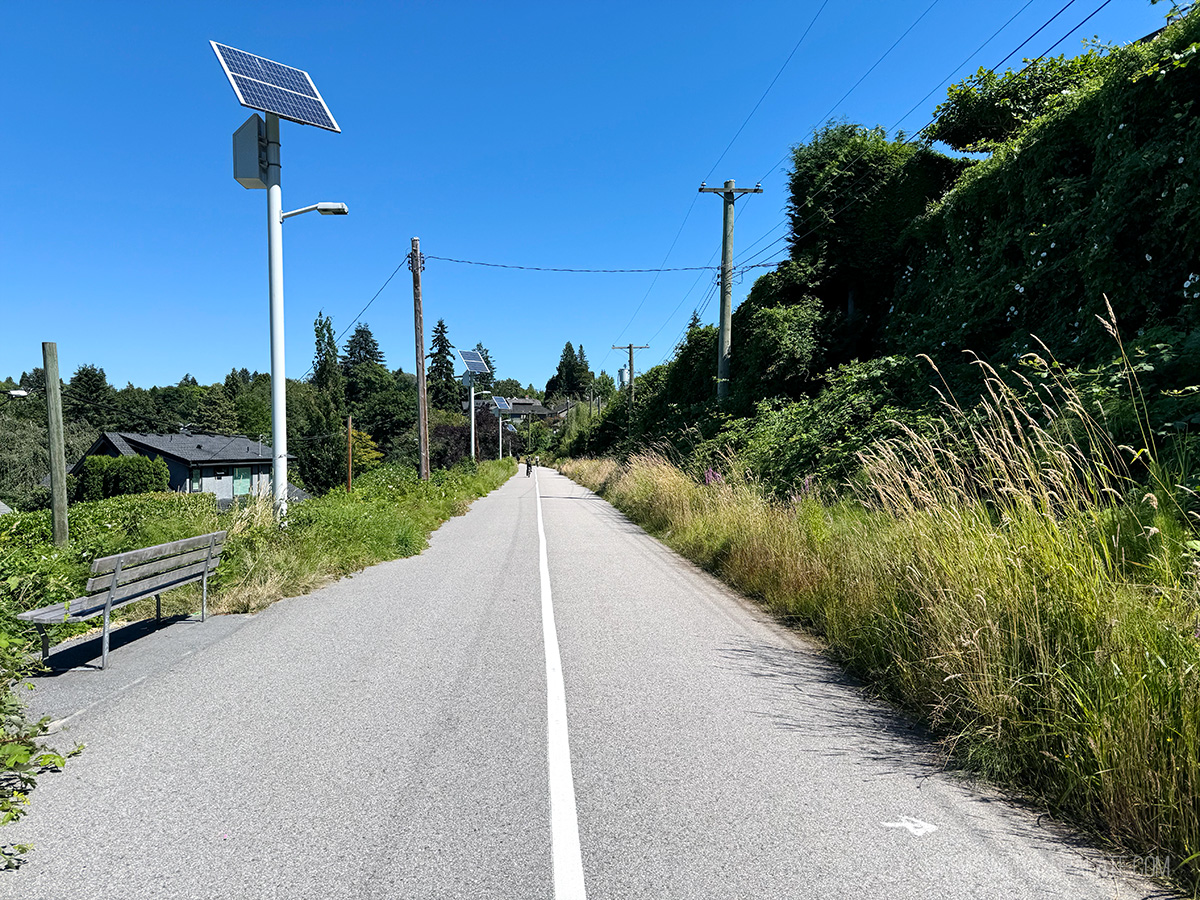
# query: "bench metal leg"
[[45, 636], [157, 610]]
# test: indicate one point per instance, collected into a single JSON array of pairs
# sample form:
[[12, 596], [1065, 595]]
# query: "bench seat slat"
[[134, 557], [86, 607], [163, 564]]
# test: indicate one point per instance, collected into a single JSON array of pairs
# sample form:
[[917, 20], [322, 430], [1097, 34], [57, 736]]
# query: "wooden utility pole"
[[631, 348], [730, 194], [349, 451], [58, 453], [416, 262]]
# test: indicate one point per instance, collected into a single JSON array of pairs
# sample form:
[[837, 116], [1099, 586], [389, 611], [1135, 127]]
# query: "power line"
[[743, 267], [977, 50], [768, 90], [874, 66], [1045, 25], [336, 340], [471, 262]]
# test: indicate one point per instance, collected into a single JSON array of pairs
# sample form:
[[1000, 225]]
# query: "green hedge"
[[117, 476]]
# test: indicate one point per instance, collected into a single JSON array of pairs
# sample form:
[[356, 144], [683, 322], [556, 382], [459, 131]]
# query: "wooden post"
[[416, 262], [58, 453], [349, 451], [730, 194]]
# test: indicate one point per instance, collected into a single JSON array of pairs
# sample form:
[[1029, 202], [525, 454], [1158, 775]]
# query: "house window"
[[221, 472], [196, 484]]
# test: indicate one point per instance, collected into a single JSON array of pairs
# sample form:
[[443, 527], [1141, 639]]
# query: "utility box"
[[250, 153], [622, 378]]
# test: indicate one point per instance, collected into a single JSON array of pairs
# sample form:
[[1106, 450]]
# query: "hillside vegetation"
[[898, 250], [959, 441]]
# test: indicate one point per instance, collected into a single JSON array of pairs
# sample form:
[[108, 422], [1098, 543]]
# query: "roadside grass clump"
[[389, 514], [1024, 586]]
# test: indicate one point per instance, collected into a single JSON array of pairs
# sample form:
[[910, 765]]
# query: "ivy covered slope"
[[1092, 189]]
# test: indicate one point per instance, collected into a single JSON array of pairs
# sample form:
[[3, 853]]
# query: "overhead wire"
[[742, 262], [1030, 63], [852, 88], [692, 205], [930, 93], [733, 140]]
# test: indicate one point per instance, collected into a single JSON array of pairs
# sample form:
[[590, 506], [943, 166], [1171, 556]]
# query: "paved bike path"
[[386, 736]]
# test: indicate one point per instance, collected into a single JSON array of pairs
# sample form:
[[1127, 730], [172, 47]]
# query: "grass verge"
[[1005, 579]]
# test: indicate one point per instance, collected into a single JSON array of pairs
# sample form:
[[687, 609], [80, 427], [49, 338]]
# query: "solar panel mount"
[[474, 362], [272, 87]]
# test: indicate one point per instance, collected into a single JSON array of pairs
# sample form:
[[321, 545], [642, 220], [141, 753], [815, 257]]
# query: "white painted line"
[[564, 823]]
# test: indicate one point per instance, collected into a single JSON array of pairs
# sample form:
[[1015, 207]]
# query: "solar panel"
[[502, 404], [272, 87], [510, 427], [474, 362]]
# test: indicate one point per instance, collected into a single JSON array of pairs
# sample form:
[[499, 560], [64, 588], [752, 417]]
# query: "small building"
[[229, 466], [524, 409], [4, 508]]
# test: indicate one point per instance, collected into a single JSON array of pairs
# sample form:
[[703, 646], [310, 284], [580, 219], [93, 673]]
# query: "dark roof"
[[203, 448], [525, 406], [4, 510], [192, 449]]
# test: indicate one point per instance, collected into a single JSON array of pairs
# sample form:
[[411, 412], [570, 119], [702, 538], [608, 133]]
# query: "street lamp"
[[473, 393], [17, 394], [325, 209], [282, 92]]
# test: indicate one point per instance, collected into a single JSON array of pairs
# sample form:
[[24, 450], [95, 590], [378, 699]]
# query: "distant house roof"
[[4, 509], [523, 406], [191, 449]]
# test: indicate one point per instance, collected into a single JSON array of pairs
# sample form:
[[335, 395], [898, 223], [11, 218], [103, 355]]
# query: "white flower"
[[1119, 127], [1018, 287], [1043, 253], [943, 343], [1149, 257], [1052, 245], [1181, 160], [1109, 135]]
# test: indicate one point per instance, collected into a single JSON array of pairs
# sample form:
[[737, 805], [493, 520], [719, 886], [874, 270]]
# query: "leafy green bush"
[[114, 476]]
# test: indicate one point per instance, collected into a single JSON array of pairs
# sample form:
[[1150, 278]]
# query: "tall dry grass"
[[1004, 576]]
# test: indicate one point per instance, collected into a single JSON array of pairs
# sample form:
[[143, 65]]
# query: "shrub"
[[113, 476]]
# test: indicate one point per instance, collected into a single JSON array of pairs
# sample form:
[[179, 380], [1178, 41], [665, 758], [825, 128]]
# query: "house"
[[227, 466], [524, 409]]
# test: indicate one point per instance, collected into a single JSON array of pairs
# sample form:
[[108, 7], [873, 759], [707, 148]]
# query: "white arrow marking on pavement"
[[564, 823], [916, 826]]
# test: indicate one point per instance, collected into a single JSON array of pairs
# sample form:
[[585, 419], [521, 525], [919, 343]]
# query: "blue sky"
[[558, 135]]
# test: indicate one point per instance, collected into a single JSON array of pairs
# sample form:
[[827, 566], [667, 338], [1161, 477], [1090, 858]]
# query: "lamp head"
[[333, 209]]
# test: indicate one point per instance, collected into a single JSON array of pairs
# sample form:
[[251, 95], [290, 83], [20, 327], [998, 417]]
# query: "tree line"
[[352, 382]]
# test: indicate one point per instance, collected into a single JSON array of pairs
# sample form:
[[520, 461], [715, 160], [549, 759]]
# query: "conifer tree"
[[327, 375], [444, 389]]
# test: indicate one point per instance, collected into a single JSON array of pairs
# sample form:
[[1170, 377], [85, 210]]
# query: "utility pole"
[[416, 262], [349, 451], [58, 453], [730, 194], [631, 348]]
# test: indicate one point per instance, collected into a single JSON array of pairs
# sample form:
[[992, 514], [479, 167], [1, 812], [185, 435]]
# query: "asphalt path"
[[546, 703]]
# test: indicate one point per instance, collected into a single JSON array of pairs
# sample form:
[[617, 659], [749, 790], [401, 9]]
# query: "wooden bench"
[[125, 577]]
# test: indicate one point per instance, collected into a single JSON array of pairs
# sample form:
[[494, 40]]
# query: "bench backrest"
[[151, 570]]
